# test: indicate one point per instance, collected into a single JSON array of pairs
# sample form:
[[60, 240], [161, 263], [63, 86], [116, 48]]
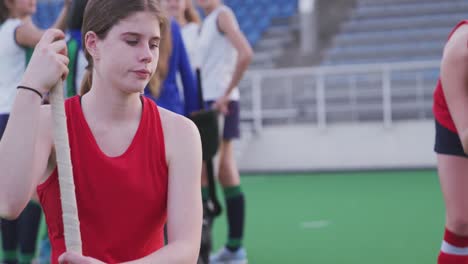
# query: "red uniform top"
[[121, 200], [440, 108]]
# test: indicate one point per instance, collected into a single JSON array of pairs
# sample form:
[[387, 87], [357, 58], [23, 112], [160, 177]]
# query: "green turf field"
[[349, 218], [335, 218]]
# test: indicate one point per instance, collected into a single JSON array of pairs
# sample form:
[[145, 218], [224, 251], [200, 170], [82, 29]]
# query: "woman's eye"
[[132, 42]]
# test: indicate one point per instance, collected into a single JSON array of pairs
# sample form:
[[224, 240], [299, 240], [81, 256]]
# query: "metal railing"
[[351, 93]]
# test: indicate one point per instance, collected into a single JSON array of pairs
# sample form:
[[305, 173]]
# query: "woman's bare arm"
[[24, 150], [228, 25], [27, 141], [28, 34]]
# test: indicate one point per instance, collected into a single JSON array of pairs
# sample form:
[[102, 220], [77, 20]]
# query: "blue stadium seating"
[[254, 15], [395, 30]]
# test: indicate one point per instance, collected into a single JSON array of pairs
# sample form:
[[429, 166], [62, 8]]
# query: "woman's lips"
[[143, 74]]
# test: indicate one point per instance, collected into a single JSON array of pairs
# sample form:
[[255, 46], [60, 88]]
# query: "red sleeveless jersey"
[[121, 200], [440, 108]]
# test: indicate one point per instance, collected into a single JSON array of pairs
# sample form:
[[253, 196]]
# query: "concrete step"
[[399, 36], [386, 53], [409, 9], [394, 23], [392, 2], [268, 43]]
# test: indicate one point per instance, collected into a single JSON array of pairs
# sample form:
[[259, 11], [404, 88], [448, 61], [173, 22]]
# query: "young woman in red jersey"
[[451, 146], [136, 166]]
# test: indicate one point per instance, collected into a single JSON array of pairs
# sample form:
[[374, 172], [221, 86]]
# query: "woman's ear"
[[91, 40]]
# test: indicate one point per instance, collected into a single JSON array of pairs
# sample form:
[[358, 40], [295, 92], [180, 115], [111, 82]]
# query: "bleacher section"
[[381, 31], [377, 32], [395, 30], [266, 24], [255, 16]]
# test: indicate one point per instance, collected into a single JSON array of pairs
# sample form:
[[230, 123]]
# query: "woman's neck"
[[181, 20], [108, 104], [19, 15], [210, 9]]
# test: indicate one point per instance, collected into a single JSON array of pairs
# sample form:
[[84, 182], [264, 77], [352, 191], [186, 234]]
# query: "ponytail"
[[155, 84], [191, 14], [165, 51], [86, 82]]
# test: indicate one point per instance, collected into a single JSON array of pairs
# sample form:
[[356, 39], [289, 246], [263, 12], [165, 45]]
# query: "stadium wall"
[[358, 146]]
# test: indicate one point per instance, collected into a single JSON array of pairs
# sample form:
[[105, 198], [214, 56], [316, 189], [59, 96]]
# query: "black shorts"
[[447, 142], [3, 123], [231, 128]]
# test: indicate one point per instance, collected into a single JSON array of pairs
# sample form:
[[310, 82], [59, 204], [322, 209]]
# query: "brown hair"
[[101, 15], [190, 13], [4, 12], [165, 51]]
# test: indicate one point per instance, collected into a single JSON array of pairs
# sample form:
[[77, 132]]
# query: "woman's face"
[[21, 8], [128, 56], [205, 4], [175, 8]]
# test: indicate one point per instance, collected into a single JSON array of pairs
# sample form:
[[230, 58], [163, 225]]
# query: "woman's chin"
[[136, 86]]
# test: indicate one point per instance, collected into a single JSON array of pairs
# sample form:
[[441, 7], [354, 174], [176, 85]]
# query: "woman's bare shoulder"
[[457, 46], [180, 135], [176, 126]]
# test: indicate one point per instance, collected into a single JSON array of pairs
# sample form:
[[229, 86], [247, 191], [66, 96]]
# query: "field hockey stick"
[[71, 225]]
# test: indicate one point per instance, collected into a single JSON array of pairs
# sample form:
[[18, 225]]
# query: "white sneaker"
[[225, 256]]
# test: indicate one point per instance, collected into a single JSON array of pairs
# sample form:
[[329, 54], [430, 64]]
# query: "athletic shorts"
[[3, 123], [231, 128], [447, 142]]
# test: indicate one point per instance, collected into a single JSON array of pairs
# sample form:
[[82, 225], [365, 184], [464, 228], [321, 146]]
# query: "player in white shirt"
[[223, 55]]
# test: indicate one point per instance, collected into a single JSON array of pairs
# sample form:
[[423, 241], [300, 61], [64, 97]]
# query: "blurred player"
[[223, 56], [451, 144]]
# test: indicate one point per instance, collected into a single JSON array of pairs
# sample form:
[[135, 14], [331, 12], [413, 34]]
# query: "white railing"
[[370, 89]]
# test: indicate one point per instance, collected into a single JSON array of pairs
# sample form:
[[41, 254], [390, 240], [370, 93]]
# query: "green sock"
[[234, 244], [235, 212], [25, 259], [230, 192], [205, 193], [10, 256]]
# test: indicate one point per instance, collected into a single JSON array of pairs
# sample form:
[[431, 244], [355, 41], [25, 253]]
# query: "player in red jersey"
[[136, 166], [451, 145]]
